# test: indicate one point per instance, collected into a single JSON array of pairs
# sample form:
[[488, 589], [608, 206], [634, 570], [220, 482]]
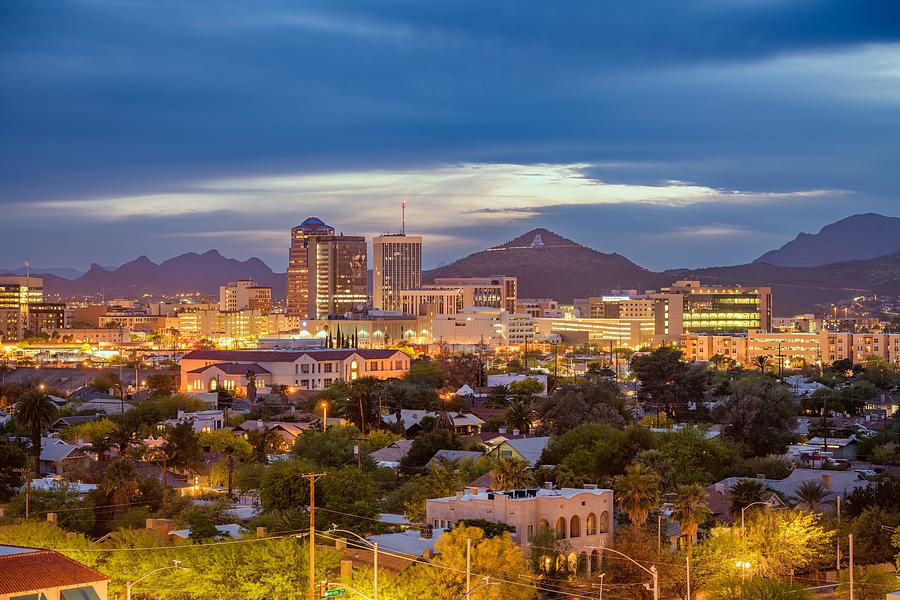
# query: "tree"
[[283, 488], [744, 493], [868, 583], [520, 415], [74, 513], [690, 509], [347, 499], [511, 474], [202, 523], [120, 483], [637, 492], [667, 382], [760, 414], [161, 384], [761, 362], [12, 458], [361, 405], [490, 557], [872, 535], [661, 464], [99, 433], [425, 371], [810, 494], [225, 442], [34, 411], [426, 445], [263, 441], [594, 400], [331, 449], [694, 458], [183, 446], [757, 588]]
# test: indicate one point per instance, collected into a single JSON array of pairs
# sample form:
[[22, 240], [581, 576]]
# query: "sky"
[[679, 134]]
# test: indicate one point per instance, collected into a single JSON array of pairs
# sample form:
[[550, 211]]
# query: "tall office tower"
[[23, 310], [397, 266], [339, 277], [688, 307], [298, 273]]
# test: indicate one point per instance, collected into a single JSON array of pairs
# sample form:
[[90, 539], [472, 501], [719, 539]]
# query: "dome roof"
[[313, 224]]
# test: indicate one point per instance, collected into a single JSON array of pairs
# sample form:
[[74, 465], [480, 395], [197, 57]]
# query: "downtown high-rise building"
[[327, 273], [340, 268], [397, 266], [23, 311], [298, 273]]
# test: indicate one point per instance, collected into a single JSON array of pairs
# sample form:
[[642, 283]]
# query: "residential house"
[[528, 449], [38, 574], [463, 423], [202, 420], [391, 455], [452, 456], [61, 458]]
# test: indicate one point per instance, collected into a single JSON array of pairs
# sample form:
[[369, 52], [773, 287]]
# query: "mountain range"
[[863, 254]]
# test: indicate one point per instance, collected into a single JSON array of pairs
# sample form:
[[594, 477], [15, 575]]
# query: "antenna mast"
[[403, 217]]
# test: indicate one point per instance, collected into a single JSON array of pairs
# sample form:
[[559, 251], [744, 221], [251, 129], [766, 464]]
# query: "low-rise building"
[[307, 369], [581, 516], [483, 326], [201, 420], [463, 423], [38, 574]]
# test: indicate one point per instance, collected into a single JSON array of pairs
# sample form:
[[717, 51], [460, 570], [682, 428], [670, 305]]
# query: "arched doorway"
[[604, 522], [561, 528], [590, 524], [595, 561], [575, 527]]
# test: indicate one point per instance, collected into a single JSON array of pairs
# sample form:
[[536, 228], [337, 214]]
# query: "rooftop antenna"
[[403, 217]]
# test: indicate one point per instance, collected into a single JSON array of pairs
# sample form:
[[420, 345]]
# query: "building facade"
[[583, 517], [307, 370], [483, 326], [340, 266], [298, 273], [245, 294], [693, 308], [396, 266], [492, 292]]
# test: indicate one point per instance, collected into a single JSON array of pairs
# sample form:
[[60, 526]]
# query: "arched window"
[[604, 522], [582, 562], [543, 526], [590, 525], [595, 561], [213, 384], [575, 527], [573, 562], [561, 528]]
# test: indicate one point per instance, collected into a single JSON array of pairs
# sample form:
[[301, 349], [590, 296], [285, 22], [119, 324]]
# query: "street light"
[[745, 508], [324, 416], [652, 570], [373, 545], [744, 566], [478, 587], [129, 584]]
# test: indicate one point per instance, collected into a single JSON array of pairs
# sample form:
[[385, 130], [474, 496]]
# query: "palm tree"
[[690, 509], [744, 493], [511, 474], [120, 481], [637, 492], [761, 362], [520, 415], [498, 395], [34, 411], [810, 494]]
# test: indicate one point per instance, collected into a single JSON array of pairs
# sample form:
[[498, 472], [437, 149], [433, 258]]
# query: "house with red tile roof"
[[38, 574]]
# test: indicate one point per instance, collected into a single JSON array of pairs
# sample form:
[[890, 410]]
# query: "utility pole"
[[850, 536], [312, 477], [469, 566], [837, 566], [375, 547], [655, 574], [27, 472], [690, 548]]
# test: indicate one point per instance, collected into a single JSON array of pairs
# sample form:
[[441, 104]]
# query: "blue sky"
[[679, 134]]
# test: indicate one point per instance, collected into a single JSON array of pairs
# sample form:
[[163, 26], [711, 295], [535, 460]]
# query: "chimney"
[[459, 495], [472, 490], [501, 430], [590, 486], [515, 432], [160, 526], [427, 554], [340, 544], [760, 475], [261, 532], [346, 570], [548, 485], [826, 481], [426, 532], [51, 518]]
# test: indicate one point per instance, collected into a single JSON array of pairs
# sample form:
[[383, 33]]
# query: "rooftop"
[[269, 356], [525, 494], [29, 569]]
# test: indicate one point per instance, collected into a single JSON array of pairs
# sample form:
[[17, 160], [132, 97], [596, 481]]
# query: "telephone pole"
[[312, 477]]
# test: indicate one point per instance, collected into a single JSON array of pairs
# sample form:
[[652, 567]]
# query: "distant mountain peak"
[[857, 237]]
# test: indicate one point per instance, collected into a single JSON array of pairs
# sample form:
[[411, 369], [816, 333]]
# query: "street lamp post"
[[373, 545], [130, 584], [745, 508], [324, 416], [478, 587], [651, 570]]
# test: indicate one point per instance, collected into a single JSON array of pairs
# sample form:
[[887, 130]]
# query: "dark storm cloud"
[[129, 97]]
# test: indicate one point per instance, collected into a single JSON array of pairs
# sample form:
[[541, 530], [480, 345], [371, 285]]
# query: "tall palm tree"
[[691, 509], [810, 494], [512, 474], [520, 415], [120, 481], [744, 493], [761, 362], [35, 411], [637, 492]]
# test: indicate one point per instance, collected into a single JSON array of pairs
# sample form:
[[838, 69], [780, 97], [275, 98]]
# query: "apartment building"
[[245, 294], [396, 266], [483, 326]]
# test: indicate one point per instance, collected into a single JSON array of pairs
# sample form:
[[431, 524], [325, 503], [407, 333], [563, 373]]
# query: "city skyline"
[[745, 123]]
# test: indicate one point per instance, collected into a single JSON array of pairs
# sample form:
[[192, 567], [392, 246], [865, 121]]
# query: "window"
[[304, 369], [328, 367], [304, 383], [213, 384], [530, 531], [575, 526], [327, 383], [590, 525], [604, 522], [561, 528]]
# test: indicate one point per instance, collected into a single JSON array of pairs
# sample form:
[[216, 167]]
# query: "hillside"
[[189, 272], [551, 266], [857, 237], [803, 289]]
